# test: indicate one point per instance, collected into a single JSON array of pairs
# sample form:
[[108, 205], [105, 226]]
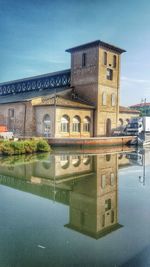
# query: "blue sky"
[[35, 33]]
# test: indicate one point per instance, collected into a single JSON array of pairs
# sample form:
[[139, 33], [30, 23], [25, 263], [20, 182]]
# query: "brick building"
[[80, 102]]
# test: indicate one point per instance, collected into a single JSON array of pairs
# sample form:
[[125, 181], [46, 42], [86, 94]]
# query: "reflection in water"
[[88, 184]]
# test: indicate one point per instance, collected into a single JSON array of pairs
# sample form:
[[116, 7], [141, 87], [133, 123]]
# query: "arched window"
[[103, 181], [113, 100], [105, 58], [46, 164], [65, 124], [86, 124], [47, 125], [112, 216], [76, 160], [108, 204], [64, 161], [76, 123], [103, 220], [104, 99], [86, 159], [114, 61], [108, 157], [112, 179]]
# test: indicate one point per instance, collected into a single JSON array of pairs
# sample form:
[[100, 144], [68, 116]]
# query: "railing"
[[47, 81]]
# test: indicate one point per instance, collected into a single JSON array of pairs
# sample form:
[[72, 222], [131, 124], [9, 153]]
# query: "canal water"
[[75, 208]]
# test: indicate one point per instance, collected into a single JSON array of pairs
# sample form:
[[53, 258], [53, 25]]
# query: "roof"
[[27, 96], [36, 77], [128, 110], [47, 97], [63, 101], [140, 105], [96, 43]]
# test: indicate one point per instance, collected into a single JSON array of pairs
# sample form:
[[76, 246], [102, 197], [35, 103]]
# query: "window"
[[65, 124], [112, 216], [103, 182], [113, 100], [84, 59], [86, 160], [114, 61], [109, 74], [64, 161], [47, 125], [108, 157], [86, 124], [76, 160], [105, 58], [76, 124], [104, 99], [107, 204], [112, 179], [103, 220], [11, 113]]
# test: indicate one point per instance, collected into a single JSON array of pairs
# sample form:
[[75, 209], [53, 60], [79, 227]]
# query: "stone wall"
[[23, 122]]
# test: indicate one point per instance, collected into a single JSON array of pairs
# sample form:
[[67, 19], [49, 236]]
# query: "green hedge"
[[24, 147]]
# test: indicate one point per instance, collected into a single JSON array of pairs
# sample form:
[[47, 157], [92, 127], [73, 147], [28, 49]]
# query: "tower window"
[[105, 58], [114, 61], [84, 59], [107, 204], [109, 74]]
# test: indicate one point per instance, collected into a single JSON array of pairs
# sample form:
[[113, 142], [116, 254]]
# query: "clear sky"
[[35, 33]]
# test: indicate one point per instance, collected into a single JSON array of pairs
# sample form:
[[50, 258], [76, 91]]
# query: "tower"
[[95, 76]]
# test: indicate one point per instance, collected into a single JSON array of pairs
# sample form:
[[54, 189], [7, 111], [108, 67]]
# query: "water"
[[75, 209]]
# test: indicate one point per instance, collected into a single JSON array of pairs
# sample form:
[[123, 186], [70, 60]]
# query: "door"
[[108, 127]]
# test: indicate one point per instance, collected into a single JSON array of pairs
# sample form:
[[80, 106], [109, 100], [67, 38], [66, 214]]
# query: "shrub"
[[43, 146], [6, 148], [30, 146], [18, 147], [24, 147]]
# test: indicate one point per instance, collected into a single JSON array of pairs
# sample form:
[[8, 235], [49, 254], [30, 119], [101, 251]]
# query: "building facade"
[[80, 102]]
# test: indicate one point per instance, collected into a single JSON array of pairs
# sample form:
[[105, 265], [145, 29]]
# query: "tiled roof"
[[62, 101], [128, 110], [96, 43]]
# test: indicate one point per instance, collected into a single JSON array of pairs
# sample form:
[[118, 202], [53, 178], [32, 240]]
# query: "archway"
[[108, 127]]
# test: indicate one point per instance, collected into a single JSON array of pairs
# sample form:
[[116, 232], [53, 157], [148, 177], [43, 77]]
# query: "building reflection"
[[87, 184], [93, 208]]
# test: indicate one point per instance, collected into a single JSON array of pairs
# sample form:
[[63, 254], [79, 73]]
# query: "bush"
[[30, 146], [24, 147], [18, 147], [6, 148], [43, 146]]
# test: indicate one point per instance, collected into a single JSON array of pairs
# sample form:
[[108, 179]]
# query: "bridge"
[[54, 80]]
